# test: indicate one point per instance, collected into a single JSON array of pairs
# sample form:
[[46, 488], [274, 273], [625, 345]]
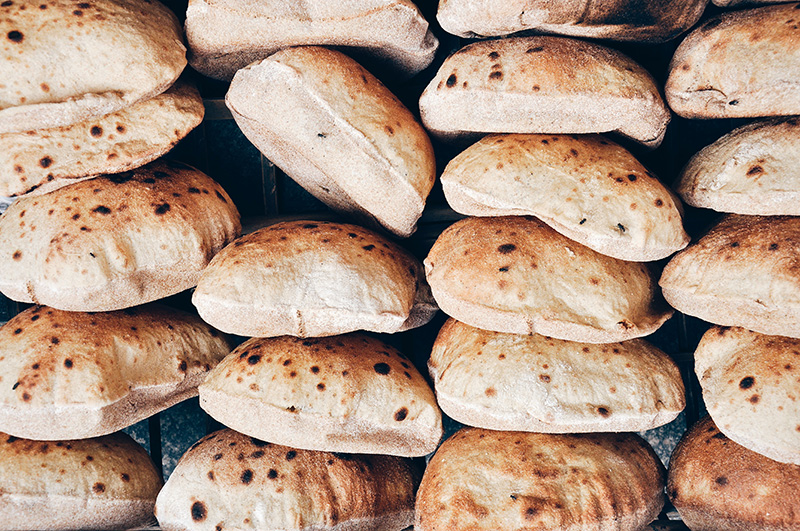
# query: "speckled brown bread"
[[41, 161], [230, 481], [348, 393], [103, 483], [339, 132], [313, 278], [489, 480], [740, 64], [755, 170], [535, 383], [742, 273], [70, 61], [750, 387], [115, 241], [588, 188], [74, 375], [624, 20], [543, 85], [718, 485], [227, 35], [517, 275]]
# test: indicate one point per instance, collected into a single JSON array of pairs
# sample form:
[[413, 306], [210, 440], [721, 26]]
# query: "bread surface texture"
[[225, 36], [42, 160], [67, 62], [90, 484], [535, 383], [481, 479], [74, 375], [586, 187], [718, 485], [543, 84], [313, 278], [750, 384], [743, 273], [232, 481], [740, 64], [751, 170], [338, 132], [515, 274], [115, 241], [623, 20], [349, 393]]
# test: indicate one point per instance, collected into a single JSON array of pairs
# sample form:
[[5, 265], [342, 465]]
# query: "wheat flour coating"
[[489, 480], [227, 35], [349, 393], [517, 275], [70, 61], [740, 64], [313, 278], [74, 375], [230, 481], [750, 387], [718, 485], [91, 484], [624, 20], [115, 241], [46, 159], [339, 132], [743, 272], [586, 187], [535, 383], [752, 170], [543, 85]]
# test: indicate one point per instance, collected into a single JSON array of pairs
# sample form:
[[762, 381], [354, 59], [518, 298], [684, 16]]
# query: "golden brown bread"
[[230, 481], [743, 272], [718, 485], [103, 483], [535, 383], [517, 275], [348, 393], [740, 64], [313, 278], [585, 187], [227, 35], [489, 480], [43, 160], [74, 375], [543, 85], [115, 241], [750, 387], [70, 61]]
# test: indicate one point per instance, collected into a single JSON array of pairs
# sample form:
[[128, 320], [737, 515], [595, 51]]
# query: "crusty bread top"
[[560, 386], [52, 358], [115, 241], [230, 480], [543, 84], [742, 259], [722, 482], [738, 64], [754, 169], [313, 278], [625, 20], [519, 267], [113, 467], [586, 187], [750, 387], [227, 35], [481, 479], [46, 159], [69, 61]]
